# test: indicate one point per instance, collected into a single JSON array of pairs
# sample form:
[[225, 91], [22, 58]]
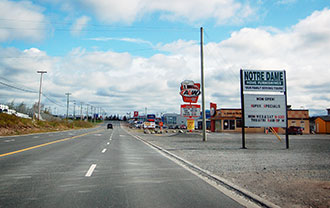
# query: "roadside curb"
[[218, 180]]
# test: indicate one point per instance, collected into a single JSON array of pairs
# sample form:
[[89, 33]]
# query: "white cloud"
[[130, 40], [79, 25], [120, 82], [21, 20], [129, 11], [286, 1]]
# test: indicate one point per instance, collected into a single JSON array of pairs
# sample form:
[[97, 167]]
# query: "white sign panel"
[[264, 110], [270, 81], [192, 110]]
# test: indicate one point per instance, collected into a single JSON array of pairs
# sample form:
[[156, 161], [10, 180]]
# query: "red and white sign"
[[136, 113], [213, 109], [190, 110], [190, 91]]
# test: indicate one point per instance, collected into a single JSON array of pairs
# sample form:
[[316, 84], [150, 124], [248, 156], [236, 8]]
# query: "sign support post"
[[286, 111], [242, 107]]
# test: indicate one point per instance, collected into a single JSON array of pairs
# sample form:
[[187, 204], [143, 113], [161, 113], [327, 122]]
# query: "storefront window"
[[171, 120], [238, 123], [225, 124], [232, 124], [229, 124]]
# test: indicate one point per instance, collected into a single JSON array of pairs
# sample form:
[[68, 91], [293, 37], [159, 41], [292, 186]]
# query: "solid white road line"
[[90, 171], [103, 151]]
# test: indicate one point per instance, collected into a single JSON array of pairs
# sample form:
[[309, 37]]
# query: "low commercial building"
[[322, 124], [230, 120], [299, 118], [172, 120]]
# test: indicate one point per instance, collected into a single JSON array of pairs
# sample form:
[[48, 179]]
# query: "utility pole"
[[92, 114], [67, 104], [81, 115], [74, 110], [41, 73], [87, 112], [95, 111], [203, 88]]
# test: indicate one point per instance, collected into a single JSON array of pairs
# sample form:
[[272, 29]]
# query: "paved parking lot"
[[295, 177]]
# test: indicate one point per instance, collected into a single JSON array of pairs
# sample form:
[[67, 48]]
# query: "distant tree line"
[[23, 108]]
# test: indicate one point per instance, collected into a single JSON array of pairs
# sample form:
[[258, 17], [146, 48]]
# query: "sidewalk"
[[297, 177]]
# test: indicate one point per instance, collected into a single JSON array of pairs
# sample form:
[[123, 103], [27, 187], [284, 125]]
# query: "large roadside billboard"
[[263, 100]]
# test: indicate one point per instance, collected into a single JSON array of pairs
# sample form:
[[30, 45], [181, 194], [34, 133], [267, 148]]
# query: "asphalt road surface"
[[96, 168]]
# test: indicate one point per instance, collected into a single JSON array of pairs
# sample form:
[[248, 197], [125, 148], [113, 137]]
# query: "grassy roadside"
[[12, 125]]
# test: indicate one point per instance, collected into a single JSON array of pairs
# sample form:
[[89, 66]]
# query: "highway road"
[[97, 168]]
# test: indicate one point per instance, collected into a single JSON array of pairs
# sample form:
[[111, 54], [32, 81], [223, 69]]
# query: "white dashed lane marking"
[[90, 170]]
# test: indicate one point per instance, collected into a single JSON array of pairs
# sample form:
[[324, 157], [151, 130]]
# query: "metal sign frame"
[[263, 81]]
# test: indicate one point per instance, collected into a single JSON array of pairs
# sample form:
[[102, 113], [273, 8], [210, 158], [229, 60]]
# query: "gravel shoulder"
[[295, 177]]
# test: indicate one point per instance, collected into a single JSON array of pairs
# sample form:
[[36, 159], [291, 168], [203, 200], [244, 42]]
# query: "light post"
[[41, 73]]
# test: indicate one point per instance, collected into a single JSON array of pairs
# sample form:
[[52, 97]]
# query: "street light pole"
[[41, 73], [67, 104]]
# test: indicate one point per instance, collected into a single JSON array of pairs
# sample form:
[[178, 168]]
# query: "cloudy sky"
[[128, 55]]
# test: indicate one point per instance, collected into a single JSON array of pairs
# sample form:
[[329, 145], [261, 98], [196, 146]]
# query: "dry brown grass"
[[12, 125]]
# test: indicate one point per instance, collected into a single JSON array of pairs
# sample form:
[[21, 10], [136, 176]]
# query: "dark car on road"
[[295, 130], [109, 126]]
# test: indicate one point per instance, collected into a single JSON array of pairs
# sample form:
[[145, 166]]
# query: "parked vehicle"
[[183, 126], [295, 130]]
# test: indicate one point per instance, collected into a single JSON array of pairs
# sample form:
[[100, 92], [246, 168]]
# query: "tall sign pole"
[[243, 111], [203, 88], [286, 111], [41, 73]]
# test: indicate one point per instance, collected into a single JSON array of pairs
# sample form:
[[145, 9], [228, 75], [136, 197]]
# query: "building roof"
[[325, 118]]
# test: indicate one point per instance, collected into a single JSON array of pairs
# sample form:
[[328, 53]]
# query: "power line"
[[52, 101], [18, 88]]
